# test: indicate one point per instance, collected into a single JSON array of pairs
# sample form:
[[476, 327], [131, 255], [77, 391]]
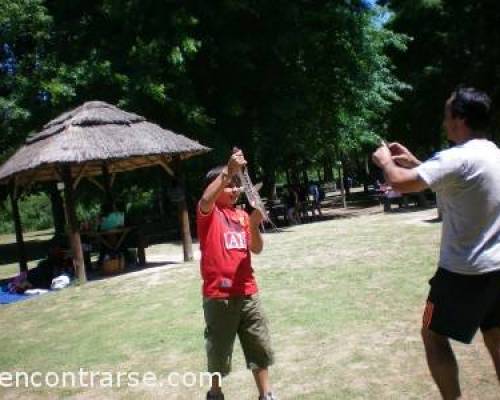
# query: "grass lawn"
[[344, 298]]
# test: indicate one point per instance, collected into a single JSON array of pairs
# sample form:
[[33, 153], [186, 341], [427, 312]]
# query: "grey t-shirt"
[[467, 181]]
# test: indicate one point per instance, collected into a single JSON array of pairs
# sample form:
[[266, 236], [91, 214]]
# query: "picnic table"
[[115, 239], [402, 199], [276, 210]]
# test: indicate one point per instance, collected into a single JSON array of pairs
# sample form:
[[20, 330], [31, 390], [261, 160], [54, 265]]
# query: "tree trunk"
[[327, 170], [269, 182], [367, 174], [305, 177], [287, 172], [342, 187], [295, 176]]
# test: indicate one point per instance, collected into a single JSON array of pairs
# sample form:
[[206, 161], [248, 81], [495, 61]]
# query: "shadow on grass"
[[434, 220], [35, 250], [408, 210], [98, 276], [333, 214]]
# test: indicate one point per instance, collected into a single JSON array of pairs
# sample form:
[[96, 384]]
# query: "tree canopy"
[[299, 85], [452, 43], [287, 81]]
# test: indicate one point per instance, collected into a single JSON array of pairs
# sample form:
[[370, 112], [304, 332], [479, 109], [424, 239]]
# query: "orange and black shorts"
[[458, 305]]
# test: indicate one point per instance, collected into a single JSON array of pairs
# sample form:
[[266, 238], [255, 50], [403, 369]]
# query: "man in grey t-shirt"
[[465, 291]]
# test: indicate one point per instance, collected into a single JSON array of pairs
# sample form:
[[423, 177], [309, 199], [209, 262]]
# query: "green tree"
[[453, 42], [24, 30], [294, 81]]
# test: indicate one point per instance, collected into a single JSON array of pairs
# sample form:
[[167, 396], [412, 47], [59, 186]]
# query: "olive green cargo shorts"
[[226, 318]]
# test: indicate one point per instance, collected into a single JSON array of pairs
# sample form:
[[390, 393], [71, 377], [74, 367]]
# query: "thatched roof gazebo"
[[93, 139]]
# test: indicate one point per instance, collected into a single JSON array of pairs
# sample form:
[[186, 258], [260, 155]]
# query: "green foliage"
[[35, 213], [453, 42], [25, 26], [139, 203], [290, 82], [307, 79]]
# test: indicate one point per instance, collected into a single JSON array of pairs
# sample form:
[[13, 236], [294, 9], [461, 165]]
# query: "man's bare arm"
[[404, 180]]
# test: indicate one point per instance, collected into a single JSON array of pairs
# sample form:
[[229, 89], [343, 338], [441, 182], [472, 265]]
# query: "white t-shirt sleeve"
[[442, 171]]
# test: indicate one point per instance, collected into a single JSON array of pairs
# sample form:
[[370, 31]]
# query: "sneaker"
[[269, 396], [215, 396]]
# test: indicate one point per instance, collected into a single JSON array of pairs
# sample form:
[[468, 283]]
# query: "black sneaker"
[[215, 396]]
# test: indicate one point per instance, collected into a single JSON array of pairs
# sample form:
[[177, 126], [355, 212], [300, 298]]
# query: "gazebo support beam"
[[21, 249], [58, 212], [74, 232], [96, 183], [107, 184], [164, 164], [182, 210], [80, 175]]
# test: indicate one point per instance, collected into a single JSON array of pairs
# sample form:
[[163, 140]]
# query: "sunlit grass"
[[344, 299]]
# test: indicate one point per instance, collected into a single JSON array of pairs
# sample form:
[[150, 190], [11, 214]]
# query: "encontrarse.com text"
[[88, 379]]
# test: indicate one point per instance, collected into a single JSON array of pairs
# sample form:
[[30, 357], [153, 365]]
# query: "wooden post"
[[187, 241], [21, 250], [107, 185], [57, 206], [182, 210], [74, 231]]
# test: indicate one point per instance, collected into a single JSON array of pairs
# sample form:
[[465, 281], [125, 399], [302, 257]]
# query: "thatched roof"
[[93, 133]]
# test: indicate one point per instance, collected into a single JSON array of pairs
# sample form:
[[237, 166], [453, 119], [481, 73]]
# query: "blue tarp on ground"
[[8, 298]]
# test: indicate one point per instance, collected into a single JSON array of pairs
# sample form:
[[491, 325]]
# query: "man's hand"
[[402, 179], [402, 156], [382, 156], [236, 162]]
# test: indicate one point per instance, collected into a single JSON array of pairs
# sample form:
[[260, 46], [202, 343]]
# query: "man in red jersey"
[[230, 301]]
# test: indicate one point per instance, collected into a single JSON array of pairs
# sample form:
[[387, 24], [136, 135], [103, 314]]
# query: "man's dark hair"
[[473, 106], [214, 173]]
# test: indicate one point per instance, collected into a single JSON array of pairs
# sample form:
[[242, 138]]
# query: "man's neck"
[[470, 138], [467, 135]]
